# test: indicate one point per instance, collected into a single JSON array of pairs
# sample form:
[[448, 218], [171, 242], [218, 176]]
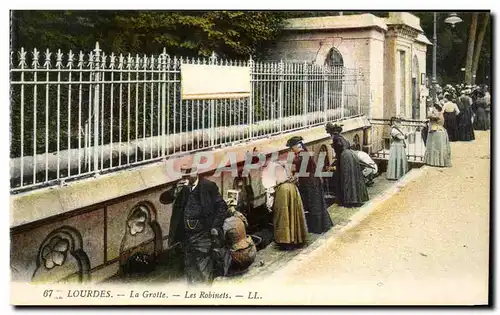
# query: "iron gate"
[[381, 139]]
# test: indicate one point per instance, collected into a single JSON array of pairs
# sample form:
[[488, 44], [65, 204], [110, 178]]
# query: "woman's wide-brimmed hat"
[[294, 141], [328, 126]]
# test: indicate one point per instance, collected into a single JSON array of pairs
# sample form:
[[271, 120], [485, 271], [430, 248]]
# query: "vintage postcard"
[[250, 157]]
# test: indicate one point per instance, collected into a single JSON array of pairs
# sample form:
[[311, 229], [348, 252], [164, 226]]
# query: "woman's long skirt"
[[351, 187], [313, 198], [288, 216], [438, 151], [451, 125], [465, 128], [481, 120], [397, 166]]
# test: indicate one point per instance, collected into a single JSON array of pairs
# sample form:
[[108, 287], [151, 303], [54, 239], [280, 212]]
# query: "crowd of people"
[[465, 108], [211, 232], [453, 116]]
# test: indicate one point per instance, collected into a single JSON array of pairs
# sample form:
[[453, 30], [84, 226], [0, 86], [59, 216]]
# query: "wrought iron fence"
[[90, 113], [381, 139]]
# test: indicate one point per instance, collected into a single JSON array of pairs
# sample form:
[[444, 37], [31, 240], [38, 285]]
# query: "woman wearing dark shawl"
[[481, 120], [465, 128], [351, 188], [450, 112], [310, 188]]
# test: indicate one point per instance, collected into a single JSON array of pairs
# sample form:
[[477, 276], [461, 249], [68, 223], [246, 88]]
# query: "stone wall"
[[376, 74], [357, 47], [366, 42], [390, 55], [397, 41]]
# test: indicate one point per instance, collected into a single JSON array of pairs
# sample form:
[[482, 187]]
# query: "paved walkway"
[[271, 258], [429, 244]]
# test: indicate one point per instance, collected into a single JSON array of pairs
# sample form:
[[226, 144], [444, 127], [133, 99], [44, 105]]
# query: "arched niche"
[[335, 70], [61, 257], [142, 234], [334, 58]]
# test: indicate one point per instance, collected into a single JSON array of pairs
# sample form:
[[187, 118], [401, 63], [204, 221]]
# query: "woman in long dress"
[[465, 128], [481, 119], [397, 166], [437, 150], [310, 188], [284, 201], [350, 184], [450, 112]]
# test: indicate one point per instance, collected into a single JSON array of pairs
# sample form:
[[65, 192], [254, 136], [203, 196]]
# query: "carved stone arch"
[[60, 256], [334, 58], [336, 43], [142, 234]]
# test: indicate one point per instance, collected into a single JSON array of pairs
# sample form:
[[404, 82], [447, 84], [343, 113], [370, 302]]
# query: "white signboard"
[[214, 82]]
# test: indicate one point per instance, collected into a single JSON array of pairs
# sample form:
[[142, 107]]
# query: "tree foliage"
[[452, 47], [231, 34]]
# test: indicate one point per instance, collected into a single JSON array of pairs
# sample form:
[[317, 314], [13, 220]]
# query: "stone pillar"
[[390, 65], [376, 78]]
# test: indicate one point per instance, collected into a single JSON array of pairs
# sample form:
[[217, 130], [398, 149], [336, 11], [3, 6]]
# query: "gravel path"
[[429, 244]]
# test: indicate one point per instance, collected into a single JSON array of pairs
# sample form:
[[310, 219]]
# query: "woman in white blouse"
[[437, 149], [285, 202], [450, 112]]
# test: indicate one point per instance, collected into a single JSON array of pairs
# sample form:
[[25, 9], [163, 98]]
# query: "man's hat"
[[294, 141], [187, 170], [167, 197]]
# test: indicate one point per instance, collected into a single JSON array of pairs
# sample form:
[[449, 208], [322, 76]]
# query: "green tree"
[[231, 34], [479, 46], [470, 48]]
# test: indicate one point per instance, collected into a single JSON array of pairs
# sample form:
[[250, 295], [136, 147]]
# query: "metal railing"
[[381, 139], [90, 113]]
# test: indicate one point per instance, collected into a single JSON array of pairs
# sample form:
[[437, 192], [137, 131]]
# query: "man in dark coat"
[[198, 214]]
